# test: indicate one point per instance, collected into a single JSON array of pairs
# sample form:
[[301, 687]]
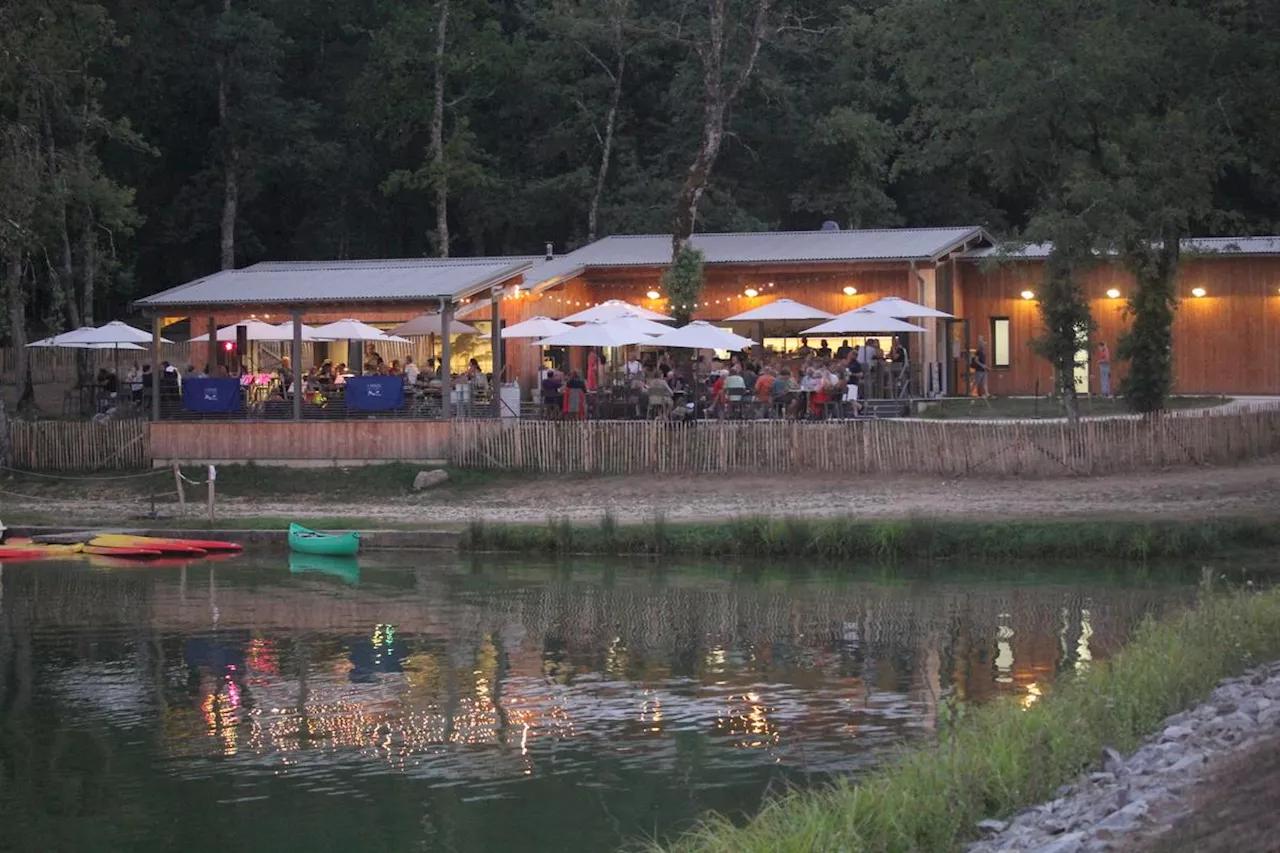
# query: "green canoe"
[[306, 541]]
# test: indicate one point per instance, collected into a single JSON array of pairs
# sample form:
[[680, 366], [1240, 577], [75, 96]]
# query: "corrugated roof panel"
[[768, 247], [307, 282], [1193, 246]]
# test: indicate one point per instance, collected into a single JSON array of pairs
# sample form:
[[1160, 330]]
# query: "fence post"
[[182, 492], [213, 478]]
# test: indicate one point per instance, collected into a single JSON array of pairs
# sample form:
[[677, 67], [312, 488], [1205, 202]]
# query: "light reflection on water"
[[514, 707]]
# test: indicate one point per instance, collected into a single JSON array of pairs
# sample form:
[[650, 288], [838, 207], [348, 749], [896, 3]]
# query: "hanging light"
[[1027, 294], [1197, 292], [653, 294], [850, 290], [1113, 294], [751, 292]]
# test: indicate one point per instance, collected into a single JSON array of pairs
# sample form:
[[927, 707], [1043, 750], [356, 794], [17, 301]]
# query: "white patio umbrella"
[[354, 330], [257, 330], [893, 306], [114, 332], [52, 342], [432, 324], [536, 327], [598, 334], [780, 309], [702, 335], [284, 332], [861, 321], [613, 309]]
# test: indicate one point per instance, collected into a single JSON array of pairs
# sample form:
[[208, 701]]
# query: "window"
[[999, 341]]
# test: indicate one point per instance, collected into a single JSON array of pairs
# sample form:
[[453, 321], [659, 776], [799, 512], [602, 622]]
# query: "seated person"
[[551, 390], [660, 394], [763, 388]]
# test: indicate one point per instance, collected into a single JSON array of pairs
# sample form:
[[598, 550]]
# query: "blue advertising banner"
[[375, 393], [208, 395]]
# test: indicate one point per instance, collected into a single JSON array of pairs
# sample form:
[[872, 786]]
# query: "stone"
[[1053, 825], [1102, 778], [1176, 733], [992, 826], [1112, 761], [1269, 716], [1125, 819], [1190, 761], [428, 479], [1070, 843]]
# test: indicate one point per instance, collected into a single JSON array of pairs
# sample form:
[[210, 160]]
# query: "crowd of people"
[[811, 383]]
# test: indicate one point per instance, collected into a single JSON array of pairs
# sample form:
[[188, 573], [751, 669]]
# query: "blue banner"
[[375, 393], [207, 395]]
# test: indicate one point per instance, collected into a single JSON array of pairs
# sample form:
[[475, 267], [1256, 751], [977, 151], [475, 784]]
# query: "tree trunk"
[[437, 137], [717, 95], [230, 184], [610, 126], [88, 267], [17, 305]]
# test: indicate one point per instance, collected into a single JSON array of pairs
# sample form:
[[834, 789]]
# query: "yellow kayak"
[[44, 550]]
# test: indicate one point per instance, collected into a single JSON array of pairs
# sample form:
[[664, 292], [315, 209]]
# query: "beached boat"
[[19, 552], [306, 541], [124, 553], [165, 544], [23, 544]]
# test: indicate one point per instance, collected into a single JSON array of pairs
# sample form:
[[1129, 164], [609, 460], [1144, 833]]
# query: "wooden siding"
[[385, 441], [1227, 342], [78, 445], [998, 448]]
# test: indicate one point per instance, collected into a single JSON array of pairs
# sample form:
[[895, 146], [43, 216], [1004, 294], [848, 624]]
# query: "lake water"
[[422, 703]]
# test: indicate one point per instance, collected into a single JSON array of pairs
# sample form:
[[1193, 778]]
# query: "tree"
[[683, 282], [727, 63]]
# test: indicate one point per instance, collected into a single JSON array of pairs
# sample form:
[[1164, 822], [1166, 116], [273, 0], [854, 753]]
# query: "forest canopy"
[[143, 144]]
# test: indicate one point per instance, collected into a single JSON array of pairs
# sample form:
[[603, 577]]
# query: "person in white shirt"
[[634, 367], [410, 371]]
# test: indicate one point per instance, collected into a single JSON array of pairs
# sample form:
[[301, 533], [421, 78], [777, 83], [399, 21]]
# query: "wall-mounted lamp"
[[653, 294], [751, 292], [1027, 294], [1113, 294], [850, 290], [1197, 292]]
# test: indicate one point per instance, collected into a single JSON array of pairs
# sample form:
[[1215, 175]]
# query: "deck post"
[[495, 342], [156, 370], [295, 358], [446, 352]]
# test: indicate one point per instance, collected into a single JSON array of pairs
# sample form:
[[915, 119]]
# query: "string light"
[[751, 293]]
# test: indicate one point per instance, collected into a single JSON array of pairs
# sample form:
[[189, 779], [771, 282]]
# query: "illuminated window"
[[999, 341]]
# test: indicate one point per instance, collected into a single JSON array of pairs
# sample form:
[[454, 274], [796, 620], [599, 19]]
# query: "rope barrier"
[[94, 479], [47, 499]]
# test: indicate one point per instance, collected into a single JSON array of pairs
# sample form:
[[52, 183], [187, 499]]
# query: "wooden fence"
[[937, 448], [79, 445], [1004, 448]]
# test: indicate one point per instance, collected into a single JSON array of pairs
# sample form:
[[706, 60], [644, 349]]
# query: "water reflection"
[[600, 705]]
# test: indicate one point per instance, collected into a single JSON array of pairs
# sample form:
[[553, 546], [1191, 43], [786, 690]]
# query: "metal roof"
[[1192, 246], [767, 247], [309, 282]]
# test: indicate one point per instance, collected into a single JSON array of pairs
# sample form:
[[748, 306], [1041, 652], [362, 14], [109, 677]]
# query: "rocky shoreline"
[[1134, 801]]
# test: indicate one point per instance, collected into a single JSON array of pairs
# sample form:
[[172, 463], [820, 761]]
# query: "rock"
[[1053, 825], [1176, 733], [992, 826], [1112, 761], [1070, 843], [427, 479], [1102, 778], [1125, 819], [1190, 761], [1269, 716]]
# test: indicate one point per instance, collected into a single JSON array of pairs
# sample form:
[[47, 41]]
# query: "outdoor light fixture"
[[1197, 292], [850, 290], [1113, 294], [653, 294], [751, 292], [1027, 294]]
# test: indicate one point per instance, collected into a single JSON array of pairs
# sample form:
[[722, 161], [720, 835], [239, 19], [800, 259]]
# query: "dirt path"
[[1191, 493]]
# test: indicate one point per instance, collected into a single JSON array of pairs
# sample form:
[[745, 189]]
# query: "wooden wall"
[[315, 442], [1227, 342]]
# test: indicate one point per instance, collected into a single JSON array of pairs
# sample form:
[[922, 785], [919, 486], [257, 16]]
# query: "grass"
[[996, 759], [1048, 407], [850, 538]]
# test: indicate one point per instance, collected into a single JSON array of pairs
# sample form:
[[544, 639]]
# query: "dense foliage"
[[143, 144]]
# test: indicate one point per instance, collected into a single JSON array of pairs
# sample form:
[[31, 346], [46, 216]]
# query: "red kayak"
[[186, 547], [18, 553], [133, 553]]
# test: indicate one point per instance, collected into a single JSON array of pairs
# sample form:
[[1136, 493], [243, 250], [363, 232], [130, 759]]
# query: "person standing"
[[1104, 368], [979, 365]]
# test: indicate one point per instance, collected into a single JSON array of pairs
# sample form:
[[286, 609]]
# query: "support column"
[[295, 359], [495, 343], [446, 352], [156, 373]]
